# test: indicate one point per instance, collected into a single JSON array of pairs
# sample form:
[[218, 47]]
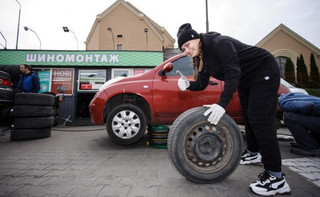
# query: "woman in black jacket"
[[252, 71]]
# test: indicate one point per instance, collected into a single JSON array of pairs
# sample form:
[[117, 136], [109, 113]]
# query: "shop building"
[[78, 75]]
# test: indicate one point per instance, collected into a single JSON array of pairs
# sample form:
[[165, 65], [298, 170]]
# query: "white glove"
[[183, 82], [216, 113]]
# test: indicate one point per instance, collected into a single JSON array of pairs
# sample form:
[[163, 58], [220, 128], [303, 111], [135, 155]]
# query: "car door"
[[169, 101]]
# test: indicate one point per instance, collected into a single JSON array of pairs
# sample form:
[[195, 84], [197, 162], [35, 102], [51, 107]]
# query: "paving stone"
[[6, 190], [311, 176], [32, 180], [113, 190], [80, 190], [72, 164], [10, 180]]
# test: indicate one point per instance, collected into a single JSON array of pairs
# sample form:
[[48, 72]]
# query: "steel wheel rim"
[[206, 147]]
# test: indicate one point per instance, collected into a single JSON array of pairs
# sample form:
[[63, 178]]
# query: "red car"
[[128, 105]]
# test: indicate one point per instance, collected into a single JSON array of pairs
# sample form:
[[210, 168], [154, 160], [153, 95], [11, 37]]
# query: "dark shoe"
[[312, 152], [269, 185]]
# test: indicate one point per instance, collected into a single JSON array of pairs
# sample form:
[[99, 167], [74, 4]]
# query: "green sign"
[[81, 58], [44, 77]]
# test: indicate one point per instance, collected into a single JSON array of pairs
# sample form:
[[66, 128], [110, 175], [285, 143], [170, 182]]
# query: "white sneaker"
[[268, 185], [248, 158]]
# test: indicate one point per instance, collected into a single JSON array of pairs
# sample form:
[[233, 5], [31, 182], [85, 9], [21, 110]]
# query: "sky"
[[246, 20]]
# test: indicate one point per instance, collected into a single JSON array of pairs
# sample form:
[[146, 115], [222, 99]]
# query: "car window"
[[184, 65]]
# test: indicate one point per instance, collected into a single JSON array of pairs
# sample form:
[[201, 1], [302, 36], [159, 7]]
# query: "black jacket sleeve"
[[229, 63], [201, 83]]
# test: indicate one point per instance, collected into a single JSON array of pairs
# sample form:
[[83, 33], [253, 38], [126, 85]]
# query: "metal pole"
[[66, 29], [5, 47], [76, 39], [146, 31], [27, 28], [18, 24], [110, 29], [207, 22]]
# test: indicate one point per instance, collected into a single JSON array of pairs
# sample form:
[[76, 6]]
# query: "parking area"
[[82, 161]]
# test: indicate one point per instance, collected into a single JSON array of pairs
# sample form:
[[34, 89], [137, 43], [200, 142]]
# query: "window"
[[91, 79], [281, 63], [125, 72], [119, 36], [119, 47], [184, 65]]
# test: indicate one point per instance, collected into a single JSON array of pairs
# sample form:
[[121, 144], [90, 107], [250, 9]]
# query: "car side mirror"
[[167, 68]]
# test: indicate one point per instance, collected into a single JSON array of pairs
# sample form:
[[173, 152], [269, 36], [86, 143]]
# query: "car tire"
[[30, 134], [202, 152], [6, 95], [32, 111], [120, 125], [34, 99], [156, 142], [158, 137], [13, 71], [6, 115], [33, 122]]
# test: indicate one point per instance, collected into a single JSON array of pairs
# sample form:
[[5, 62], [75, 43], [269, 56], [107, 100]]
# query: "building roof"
[[157, 29], [292, 34]]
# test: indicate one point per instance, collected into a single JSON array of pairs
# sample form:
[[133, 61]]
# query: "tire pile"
[[159, 136], [33, 116]]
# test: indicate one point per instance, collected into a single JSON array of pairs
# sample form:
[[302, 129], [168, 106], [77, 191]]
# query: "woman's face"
[[191, 47]]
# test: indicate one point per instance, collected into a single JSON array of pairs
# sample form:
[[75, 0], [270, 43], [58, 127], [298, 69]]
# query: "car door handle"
[[213, 83]]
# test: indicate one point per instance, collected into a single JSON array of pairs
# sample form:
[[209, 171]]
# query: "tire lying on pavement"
[[203, 152], [33, 122], [32, 111], [33, 116], [159, 135], [34, 99], [30, 134]]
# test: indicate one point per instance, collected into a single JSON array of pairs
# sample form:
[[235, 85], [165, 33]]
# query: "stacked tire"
[[33, 116], [159, 136]]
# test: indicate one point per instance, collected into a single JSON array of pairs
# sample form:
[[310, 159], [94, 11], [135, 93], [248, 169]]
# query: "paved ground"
[[81, 161]]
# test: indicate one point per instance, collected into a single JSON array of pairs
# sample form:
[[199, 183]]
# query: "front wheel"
[[126, 124], [203, 152]]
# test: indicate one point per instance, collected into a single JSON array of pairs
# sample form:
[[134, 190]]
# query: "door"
[[169, 101]]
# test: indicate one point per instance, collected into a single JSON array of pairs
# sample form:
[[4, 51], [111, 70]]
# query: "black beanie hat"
[[186, 33]]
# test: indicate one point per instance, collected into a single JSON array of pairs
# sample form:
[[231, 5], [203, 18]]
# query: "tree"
[[302, 73], [289, 71], [314, 72]]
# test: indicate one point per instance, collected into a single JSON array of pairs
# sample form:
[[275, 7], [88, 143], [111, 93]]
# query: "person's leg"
[[252, 145], [261, 117], [263, 98], [302, 126], [251, 154]]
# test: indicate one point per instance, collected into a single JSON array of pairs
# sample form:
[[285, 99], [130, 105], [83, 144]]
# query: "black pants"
[[305, 129], [258, 97]]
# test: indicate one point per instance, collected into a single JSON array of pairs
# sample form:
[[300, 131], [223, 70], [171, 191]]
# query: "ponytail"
[[197, 63]]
